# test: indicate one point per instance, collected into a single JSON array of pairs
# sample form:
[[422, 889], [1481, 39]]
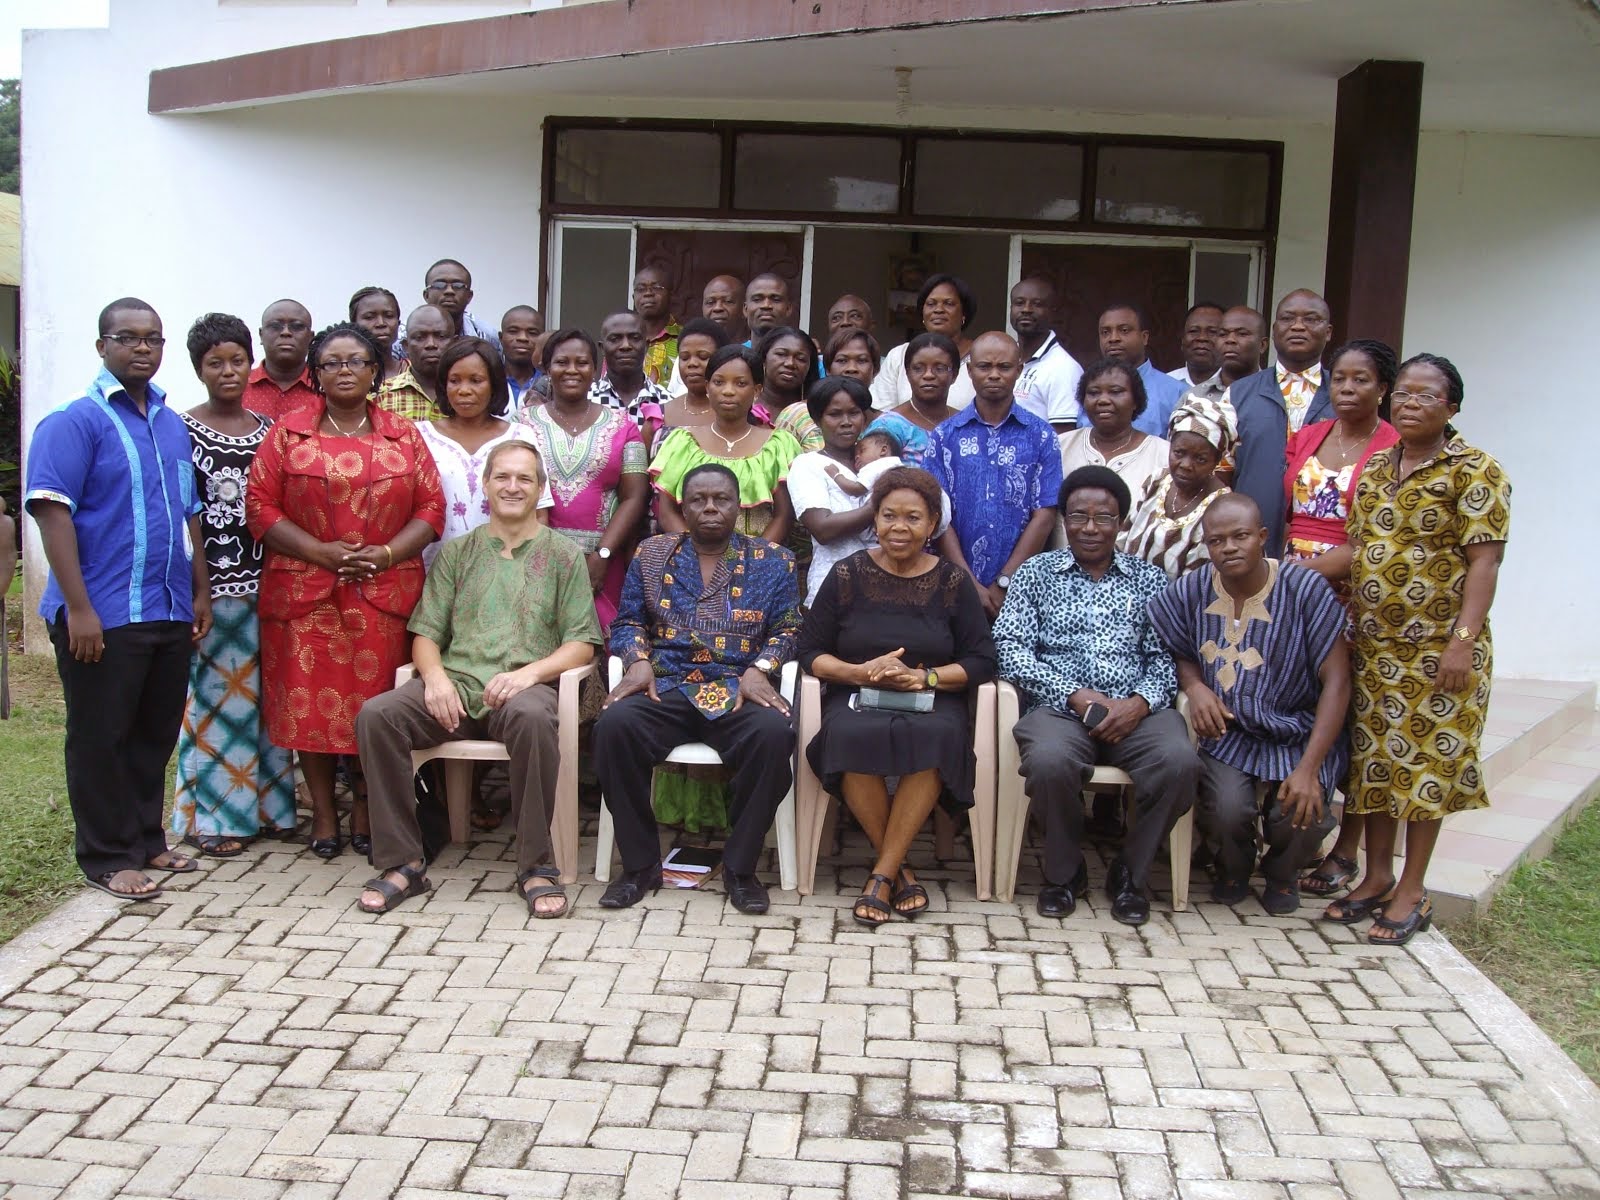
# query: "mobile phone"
[[1094, 714]]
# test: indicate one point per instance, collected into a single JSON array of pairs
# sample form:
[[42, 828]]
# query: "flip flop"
[[173, 861], [104, 884]]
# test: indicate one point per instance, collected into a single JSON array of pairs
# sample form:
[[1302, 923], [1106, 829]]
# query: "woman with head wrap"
[[1165, 527]]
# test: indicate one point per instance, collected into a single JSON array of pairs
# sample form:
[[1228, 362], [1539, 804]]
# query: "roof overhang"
[[1515, 66]]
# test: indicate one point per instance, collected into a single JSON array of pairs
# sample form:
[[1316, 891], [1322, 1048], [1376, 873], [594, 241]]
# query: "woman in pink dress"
[[597, 464]]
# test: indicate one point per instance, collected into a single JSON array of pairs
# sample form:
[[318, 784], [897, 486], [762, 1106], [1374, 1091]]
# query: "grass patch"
[[37, 869], [1540, 940]]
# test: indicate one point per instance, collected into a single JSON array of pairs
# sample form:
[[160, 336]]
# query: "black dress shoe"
[[1060, 900], [747, 893], [1128, 903], [631, 887]]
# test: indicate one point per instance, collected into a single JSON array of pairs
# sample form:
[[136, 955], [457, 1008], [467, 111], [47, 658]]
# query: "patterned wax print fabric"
[[488, 613], [585, 474], [1414, 750], [1264, 664], [700, 636], [661, 354], [997, 477], [231, 780], [1299, 389], [759, 474], [1175, 544], [1061, 629], [1319, 499], [795, 420], [221, 475], [328, 646], [913, 438]]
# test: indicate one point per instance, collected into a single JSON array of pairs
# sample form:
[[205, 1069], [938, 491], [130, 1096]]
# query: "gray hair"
[[515, 442]]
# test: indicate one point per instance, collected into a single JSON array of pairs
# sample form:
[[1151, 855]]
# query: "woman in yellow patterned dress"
[[1428, 528]]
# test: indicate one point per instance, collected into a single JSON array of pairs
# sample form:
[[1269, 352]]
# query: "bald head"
[[285, 338], [849, 311], [1241, 343], [723, 302], [994, 366], [1301, 328]]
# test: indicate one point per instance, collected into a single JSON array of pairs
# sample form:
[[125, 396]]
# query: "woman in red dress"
[[344, 496]]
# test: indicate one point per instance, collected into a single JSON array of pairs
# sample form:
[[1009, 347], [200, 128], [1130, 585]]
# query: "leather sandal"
[[909, 890], [877, 911], [1352, 912], [1402, 932], [1315, 883], [532, 895], [393, 896]]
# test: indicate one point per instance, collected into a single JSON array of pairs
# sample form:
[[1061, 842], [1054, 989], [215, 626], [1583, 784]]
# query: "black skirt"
[[896, 743]]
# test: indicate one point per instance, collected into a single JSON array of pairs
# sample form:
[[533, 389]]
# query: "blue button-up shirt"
[[129, 484], [1162, 394], [997, 477], [1062, 630]]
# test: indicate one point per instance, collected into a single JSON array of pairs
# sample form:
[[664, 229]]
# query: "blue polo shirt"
[[1162, 393], [997, 477], [129, 482]]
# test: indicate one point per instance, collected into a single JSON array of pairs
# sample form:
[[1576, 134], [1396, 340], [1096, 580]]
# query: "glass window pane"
[[785, 172], [638, 168], [1028, 181], [1215, 189], [594, 272], [1222, 277]]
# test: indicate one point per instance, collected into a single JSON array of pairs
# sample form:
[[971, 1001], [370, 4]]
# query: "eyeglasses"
[[1425, 399], [130, 340], [336, 365], [649, 287], [1309, 320], [286, 327], [448, 285], [1082, 520]]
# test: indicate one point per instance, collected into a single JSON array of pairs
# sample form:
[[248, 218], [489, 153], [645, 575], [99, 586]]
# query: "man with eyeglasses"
[[652, 303], [448, 287], [281, 383], [1278, 401], [112, 487], [1075, 639]]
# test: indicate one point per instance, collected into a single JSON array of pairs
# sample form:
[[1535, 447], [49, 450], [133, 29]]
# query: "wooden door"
[[1087, 278], [691, 258]]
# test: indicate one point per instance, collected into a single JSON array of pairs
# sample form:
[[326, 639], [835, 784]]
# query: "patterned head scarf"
[[1212, 419]]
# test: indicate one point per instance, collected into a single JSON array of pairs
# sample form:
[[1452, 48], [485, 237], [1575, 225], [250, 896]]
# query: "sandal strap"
[[384, 888], [1422, 909]]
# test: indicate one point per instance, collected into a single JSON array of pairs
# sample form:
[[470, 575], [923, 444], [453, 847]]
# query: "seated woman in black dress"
[[897, 618]]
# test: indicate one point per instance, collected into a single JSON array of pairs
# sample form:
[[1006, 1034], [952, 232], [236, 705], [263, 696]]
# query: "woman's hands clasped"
[[887, 671]]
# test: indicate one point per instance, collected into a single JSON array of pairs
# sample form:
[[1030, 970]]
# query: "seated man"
[[707, 617], [505, 610], [1262, 658], [1075, 639]]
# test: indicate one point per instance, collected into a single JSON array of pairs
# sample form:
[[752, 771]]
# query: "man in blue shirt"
[[1001, 467], [1076, 640], [1125, 336], [111, 485]]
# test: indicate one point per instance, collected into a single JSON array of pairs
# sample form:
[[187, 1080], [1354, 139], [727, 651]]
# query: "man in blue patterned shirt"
[[1076, 640], [706, 619], [1001, 467]]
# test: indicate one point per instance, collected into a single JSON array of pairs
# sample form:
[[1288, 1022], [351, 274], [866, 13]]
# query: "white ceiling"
[[1525, 66]]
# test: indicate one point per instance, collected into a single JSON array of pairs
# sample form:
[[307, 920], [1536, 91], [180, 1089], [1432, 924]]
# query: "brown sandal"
[[535, 894]]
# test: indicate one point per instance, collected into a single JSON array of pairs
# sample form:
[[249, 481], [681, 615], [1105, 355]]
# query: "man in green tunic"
[[505, 610]]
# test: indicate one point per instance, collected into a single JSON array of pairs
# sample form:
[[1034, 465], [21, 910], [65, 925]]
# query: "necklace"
[[1184, 507], [1344, 447], [341, 429], [574, 430], [1118, 449], [1420, 459], [730, 444]]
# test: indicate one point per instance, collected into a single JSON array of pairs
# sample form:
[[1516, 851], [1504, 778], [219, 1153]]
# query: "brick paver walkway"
[[253, 1035]]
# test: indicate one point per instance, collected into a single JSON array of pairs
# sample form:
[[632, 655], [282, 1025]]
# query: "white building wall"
[[1505, 282]]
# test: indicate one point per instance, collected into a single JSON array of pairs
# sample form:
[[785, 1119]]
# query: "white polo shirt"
[[1048, 386]]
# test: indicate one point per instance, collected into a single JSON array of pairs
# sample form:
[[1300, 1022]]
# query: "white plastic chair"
[[700, 754], [1011, 804], [458, 757], [814, 805]]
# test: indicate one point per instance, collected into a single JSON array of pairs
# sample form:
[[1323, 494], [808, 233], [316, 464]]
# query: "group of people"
[[1303, 556]]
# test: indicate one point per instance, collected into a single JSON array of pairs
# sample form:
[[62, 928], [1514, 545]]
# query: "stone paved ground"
[[252, 1035]]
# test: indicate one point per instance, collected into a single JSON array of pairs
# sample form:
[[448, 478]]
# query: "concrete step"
[[1542, 761]]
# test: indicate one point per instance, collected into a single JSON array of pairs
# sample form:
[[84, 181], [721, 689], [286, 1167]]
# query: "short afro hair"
[[911, 479], [218, 329], [1141, 398], [1097, 478]]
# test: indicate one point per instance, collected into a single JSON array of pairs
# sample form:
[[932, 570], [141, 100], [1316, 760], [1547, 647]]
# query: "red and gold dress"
[[327, 646]]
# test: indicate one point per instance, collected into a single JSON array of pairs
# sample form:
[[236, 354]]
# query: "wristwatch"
[[604, 552], [1462, 633], [766, 666], [932, 680], [1004, 581]]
